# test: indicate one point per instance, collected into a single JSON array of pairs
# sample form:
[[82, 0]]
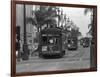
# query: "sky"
[[78, 17]]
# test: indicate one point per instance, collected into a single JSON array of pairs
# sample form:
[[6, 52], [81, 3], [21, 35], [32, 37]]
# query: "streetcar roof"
[[52, 30]]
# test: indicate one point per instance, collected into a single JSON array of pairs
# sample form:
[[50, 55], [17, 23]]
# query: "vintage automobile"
[[86, 42]]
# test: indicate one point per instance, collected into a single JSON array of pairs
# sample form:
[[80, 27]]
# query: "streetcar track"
[[70, 56]]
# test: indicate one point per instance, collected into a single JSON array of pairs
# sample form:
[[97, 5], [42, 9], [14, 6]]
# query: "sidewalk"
[[31, 59]]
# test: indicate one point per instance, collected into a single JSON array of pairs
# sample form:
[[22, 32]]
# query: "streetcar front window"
[[72, 40], [52, 40]]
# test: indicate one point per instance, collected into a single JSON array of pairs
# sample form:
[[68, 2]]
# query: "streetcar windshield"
[[50, 39], [86, 40], [72, 40]]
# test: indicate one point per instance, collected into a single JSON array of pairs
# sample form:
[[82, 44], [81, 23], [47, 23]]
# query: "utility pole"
[[25, 55]]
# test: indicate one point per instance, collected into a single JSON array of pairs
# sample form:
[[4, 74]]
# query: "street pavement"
[[73, 59]]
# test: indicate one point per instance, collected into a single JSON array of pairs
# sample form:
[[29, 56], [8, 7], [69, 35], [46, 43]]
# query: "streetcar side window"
[[69, 41], [44, 40]]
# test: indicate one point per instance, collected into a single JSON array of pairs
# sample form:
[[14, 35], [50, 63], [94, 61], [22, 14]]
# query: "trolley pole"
[[25, 55]]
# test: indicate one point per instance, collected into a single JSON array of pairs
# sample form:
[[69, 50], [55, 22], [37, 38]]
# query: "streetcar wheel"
[[61, 55]]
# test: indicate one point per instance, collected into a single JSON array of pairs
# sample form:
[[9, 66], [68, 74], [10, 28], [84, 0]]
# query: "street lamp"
[[65, 19], [25, 55], [58, 10], [62, 18], [68, 20]]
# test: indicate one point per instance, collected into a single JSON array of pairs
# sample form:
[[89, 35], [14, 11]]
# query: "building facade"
[[30, 28]]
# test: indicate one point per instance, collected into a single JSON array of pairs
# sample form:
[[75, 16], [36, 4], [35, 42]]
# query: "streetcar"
[[86, 42], [72, 43], [51, 42], [81, 42]]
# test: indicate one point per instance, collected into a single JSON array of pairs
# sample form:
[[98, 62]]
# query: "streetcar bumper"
[[51, 53], [72, 47]]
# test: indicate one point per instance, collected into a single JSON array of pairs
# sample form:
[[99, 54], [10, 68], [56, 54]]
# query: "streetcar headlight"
[[83, 43], [69, 45], [44, 48]]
